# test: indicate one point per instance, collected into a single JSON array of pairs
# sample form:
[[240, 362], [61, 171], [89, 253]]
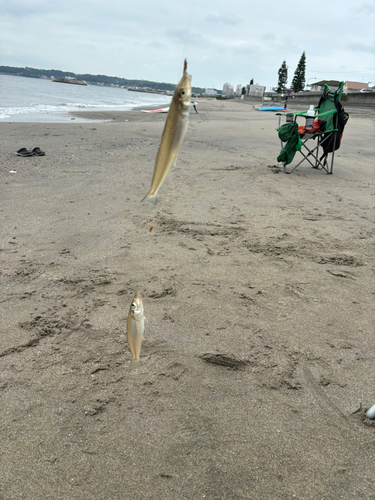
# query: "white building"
[[239, 89], [256, 90], [210, 91], [228, 89]]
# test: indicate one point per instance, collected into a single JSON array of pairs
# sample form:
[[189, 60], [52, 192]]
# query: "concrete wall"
[[354, 98], [251, 98], [362, 98], [359, 99]]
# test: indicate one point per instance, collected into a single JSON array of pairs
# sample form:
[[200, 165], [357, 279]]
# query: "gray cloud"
[[227, 19], [366, 9], [268, 36], [363, 47], [148, 40]]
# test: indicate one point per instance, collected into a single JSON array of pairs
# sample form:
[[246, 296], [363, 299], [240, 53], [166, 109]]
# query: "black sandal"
[[24, 152], [38, 152]]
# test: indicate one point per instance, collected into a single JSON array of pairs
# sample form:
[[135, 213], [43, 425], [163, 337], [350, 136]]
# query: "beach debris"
[[224, 360], [135, 329], [151, 227], [339, 275], [174, 131], [12, 171], [370, 413]]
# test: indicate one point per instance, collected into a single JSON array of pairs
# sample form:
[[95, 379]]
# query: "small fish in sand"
[[135, 329], [174, 130]]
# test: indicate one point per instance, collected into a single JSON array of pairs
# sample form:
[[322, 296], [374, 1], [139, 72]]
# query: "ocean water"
[[36, 100]]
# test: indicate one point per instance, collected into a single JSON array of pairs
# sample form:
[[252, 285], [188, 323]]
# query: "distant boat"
[[272, 108], [161, 110], [68, 80], [165, 110]]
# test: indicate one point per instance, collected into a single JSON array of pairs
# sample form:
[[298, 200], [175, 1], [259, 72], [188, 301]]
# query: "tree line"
[[93, 79]]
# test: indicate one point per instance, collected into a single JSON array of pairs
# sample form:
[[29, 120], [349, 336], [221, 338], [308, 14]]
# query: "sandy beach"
[[258, 287]]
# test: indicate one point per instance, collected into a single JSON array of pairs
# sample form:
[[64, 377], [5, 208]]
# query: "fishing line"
[[186, 36], [187, 33]]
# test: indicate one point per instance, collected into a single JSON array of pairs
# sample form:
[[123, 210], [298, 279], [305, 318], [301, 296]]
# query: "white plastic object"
[[370, 414], [311, 111]]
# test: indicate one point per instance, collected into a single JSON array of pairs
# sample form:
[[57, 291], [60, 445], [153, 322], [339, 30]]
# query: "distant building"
[[354, 87], [210, 91], [239, 89], [256, 90], [333, 85], [318, 86], [228, 89]]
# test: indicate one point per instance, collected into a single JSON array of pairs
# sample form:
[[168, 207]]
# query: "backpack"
[[332, 141]]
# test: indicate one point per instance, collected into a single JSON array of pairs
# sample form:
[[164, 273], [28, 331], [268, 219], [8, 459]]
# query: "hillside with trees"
[[91, 79]]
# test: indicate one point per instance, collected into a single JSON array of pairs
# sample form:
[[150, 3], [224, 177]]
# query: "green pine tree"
[[252, 81], [283, 78], [298, 82]]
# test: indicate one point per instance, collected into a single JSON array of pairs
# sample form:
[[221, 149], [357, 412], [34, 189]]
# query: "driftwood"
[[226, 360]]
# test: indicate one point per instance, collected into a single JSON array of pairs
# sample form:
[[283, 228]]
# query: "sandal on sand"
[[38, 152], [24, 152]]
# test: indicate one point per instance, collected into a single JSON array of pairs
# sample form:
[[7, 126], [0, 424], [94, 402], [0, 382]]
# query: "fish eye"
[[182, 92], [134, 305]]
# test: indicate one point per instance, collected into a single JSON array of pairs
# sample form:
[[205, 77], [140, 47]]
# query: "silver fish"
[[174, 130], [135, 329]]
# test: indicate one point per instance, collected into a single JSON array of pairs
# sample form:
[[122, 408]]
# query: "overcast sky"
[[223, 41]]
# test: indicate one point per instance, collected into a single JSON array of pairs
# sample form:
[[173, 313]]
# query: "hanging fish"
[[174, 130], [135, 329]]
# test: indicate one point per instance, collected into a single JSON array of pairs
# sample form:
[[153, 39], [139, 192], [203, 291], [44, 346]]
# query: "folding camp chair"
[[326, 138]]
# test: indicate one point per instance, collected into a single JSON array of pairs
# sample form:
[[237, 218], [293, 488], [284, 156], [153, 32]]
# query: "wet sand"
[[258, 287]]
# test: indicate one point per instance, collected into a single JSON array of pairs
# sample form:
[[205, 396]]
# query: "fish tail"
[[134, 363], [152, 198]]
